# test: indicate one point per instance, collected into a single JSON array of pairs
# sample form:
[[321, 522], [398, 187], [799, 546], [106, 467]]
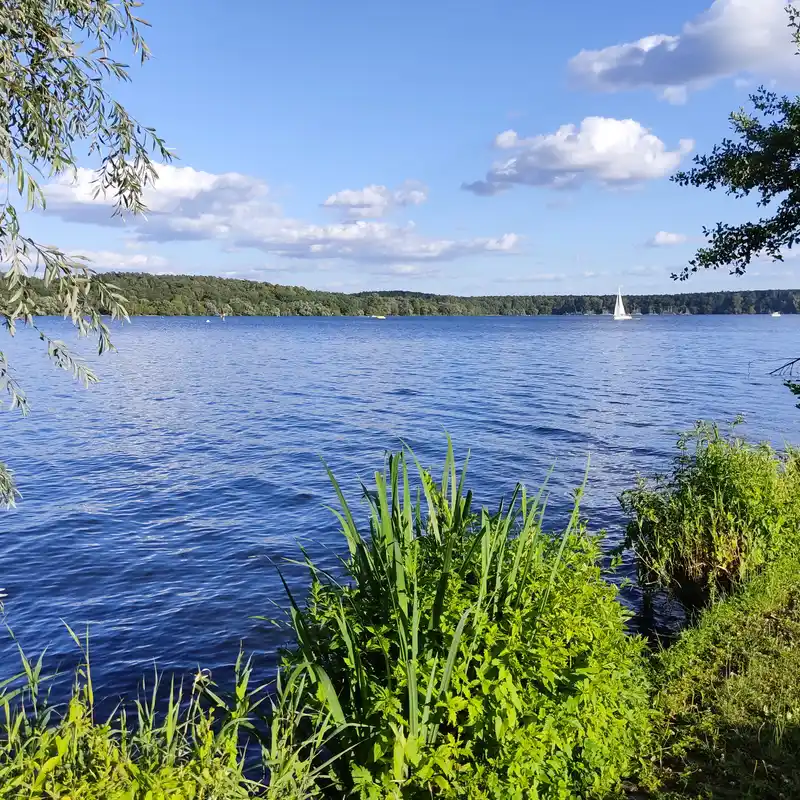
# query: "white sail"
[[619, 307]]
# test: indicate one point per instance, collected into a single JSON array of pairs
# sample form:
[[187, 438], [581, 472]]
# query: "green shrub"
[[727, 509], [469, 655], [729, 694]]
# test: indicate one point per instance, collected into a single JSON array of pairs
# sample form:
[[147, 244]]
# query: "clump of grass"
[[195, 744], [295, 751], [729, 693], [189, 751], [469, 654], [727, 509]]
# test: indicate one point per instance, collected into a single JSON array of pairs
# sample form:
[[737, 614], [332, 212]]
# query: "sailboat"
[[619, 307]]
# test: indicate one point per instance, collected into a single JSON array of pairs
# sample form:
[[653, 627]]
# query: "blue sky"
[[419, 145]]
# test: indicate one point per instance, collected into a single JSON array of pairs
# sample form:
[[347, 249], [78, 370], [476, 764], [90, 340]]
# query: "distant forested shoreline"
[[198, 295]]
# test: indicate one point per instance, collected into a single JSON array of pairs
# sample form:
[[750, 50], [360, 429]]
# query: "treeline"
[[199, 295]]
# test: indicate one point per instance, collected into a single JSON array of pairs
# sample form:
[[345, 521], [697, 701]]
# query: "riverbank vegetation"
[[165, 746], [469, 653], [202, 295], [727, 509], [720, 533]]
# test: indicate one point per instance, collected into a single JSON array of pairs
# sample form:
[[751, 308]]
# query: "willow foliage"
[[56, 67]]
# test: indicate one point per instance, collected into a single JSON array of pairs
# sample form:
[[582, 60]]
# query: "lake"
[[157, 504]]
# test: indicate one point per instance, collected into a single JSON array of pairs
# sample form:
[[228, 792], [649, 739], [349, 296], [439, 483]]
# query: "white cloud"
[[179, 193], [375, 201], [408, 271], [235, 209], [109, 260], [642, 271], [264, 272], [732, 37], [612, 152], [547, 276], [534, 277], [364, 241], [666, 239], [404, 269]]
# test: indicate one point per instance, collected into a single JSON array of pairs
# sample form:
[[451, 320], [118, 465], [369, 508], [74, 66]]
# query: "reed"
[[467, 653]]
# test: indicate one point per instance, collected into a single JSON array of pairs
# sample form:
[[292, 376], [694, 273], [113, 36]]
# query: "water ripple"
[[156, 505]]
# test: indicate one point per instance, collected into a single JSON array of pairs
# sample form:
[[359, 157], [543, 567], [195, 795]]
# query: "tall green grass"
[[468, 653], [296, 751], [172, 743], [727, 509], [195, 743], [190, 750]]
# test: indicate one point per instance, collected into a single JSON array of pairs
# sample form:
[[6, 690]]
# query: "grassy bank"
[[729, 690], [721, 533], [469, 653], [172, 743]]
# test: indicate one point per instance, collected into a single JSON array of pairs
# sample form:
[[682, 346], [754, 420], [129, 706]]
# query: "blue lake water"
[[156, 504]]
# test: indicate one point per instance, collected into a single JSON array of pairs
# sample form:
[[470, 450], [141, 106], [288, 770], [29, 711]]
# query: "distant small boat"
[[776, 313], [619, 308], [208, 320], [378, 316]]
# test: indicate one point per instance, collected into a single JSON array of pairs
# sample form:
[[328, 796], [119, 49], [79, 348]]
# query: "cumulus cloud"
[[180, 201], [375, 200], [666, 239], [365, 241], [109, 260], [732, 37], [611, 152], [236, 210]]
